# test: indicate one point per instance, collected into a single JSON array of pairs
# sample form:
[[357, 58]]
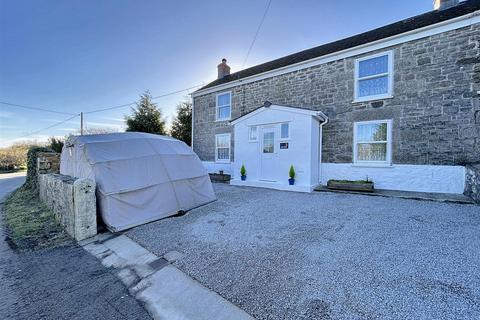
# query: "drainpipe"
[[193, 115], [320, 167]]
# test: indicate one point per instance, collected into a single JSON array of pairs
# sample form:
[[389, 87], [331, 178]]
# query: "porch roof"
[[267, 105]]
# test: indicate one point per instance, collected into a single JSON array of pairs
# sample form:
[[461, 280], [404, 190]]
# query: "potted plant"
[[243, 173], [291, 174]]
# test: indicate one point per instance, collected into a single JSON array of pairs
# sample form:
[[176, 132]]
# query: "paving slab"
[[165, 291], [171, 294]]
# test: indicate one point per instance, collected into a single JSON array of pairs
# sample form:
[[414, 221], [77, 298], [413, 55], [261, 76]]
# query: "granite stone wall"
[[72, 201], [472, 182], [435, 108]]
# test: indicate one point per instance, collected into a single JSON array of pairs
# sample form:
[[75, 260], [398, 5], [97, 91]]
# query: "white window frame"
[[250, 136], [388, 159], [390, 75], [289, 130], [229, 148], [217, 106]]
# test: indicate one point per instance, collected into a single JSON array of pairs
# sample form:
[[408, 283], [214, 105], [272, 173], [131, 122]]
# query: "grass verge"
[[30, 224]]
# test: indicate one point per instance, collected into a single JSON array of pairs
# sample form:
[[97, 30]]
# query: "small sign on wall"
[[283, 145]]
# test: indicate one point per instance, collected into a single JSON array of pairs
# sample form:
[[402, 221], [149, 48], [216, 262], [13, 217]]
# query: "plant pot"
[[291, 181], [244, 178]]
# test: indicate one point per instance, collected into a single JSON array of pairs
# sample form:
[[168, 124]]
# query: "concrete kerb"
[[165, 291]]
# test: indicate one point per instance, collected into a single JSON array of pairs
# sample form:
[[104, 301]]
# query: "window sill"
[[223, 120], [373, 98], [252, 141], [223, 161], [372, 165]]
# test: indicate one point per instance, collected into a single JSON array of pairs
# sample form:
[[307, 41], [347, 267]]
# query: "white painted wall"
[[302, 152], [419, 178]]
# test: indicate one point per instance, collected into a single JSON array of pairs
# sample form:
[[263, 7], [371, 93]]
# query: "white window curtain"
[[373, 142], [374, 77], [222, 147]]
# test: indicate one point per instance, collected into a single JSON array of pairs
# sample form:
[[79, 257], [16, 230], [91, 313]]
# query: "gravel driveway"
[[285, 255]]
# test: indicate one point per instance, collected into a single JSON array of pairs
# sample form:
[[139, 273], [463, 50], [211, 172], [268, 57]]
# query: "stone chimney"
[[223, 69], [444, 4]]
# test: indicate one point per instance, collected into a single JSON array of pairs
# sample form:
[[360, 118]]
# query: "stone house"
[[398, 105]]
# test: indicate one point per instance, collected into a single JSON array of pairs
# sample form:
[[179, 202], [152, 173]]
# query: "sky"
[[82, 55]]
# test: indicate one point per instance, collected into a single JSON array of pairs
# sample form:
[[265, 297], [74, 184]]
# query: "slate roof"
[[387, 31]]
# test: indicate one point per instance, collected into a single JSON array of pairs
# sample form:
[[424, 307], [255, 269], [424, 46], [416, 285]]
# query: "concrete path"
[[167, 292], [60, 283]]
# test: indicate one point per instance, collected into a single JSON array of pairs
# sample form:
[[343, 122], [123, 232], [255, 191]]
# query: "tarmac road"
[[60, 283]]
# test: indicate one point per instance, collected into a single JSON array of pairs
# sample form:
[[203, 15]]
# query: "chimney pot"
[[444, 4], [223, 69]]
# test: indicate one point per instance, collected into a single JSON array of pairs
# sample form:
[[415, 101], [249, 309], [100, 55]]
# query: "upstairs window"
[[372, 142], [224, 106], [374, 77]]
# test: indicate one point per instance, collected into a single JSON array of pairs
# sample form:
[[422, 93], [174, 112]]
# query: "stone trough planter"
[[217, 177], [358, 185]]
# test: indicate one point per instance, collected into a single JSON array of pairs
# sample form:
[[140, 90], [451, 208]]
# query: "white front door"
[[268, 155]]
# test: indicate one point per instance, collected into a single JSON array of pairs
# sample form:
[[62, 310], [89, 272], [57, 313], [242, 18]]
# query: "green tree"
[[146, 117], [182, 124], [56, 144]]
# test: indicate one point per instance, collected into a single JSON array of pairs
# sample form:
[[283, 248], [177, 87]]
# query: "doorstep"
[[428, 196]]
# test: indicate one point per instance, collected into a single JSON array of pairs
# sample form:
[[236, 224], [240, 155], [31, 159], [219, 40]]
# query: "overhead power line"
[[49, 127], [132, 103], [88, 112], [34, 108], [98, 110], [257, 32]]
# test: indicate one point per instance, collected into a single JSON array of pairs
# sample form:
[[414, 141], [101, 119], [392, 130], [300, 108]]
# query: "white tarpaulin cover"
[[140, 177]]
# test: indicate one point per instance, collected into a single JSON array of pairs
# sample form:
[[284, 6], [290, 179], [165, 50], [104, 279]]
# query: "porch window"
[[252, 133], [222, 147], [374, 77], [372, 142], [284, 131], [224, 103]]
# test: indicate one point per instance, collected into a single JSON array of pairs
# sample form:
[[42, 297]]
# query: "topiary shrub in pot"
[[291, 174], [243, 173]]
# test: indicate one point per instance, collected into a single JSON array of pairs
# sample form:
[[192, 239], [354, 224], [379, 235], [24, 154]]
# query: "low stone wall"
[[472, 182], [73, 202]]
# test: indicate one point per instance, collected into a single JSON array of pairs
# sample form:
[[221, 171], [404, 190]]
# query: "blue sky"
[[74, 56]]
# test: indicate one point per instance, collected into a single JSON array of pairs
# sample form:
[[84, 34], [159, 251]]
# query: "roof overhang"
[[319, 115]]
